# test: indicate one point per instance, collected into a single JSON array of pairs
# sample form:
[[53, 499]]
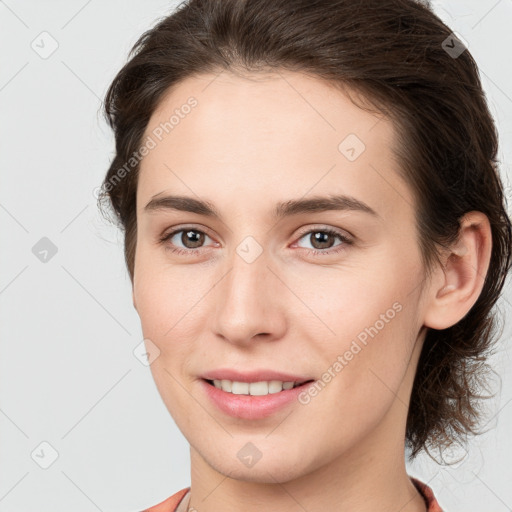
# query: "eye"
[[322, 239], [191, 239]]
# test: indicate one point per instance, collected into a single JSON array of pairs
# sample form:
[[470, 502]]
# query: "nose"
[[250, 302]]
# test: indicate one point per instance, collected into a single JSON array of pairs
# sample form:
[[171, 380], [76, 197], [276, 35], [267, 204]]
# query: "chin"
[[265, 471]]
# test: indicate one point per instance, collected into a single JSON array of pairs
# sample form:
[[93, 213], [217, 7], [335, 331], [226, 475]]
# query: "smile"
[[253, 388]]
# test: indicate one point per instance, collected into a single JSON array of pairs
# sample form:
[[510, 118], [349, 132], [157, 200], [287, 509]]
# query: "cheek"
[[165, 304], [342, 302], [362, 372], [166, 295], [172, 317], [370, 353], [369, 324]]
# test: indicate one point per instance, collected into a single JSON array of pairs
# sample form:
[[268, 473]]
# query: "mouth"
[[260, 388], [248, 396]]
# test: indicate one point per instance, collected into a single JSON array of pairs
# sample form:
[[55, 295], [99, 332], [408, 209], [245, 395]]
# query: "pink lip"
[[253, 376], [251, 407]]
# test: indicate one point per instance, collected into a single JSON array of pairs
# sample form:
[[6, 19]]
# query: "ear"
[[456, 287]]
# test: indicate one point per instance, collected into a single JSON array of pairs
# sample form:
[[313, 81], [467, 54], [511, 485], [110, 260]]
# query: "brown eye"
[[183, 240], [192, 237], [321, 239], [324, 239]]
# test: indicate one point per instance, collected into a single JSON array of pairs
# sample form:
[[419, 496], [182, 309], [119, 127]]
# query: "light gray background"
[[68, 375]]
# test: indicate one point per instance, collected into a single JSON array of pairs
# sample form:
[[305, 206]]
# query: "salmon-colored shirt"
[[171, 503]]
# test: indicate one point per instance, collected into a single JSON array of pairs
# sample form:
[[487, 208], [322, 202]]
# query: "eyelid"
[[175, 229], [322, 227]]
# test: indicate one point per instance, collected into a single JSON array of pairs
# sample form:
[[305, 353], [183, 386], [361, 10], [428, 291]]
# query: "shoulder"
[[428, 495], [169, 504]]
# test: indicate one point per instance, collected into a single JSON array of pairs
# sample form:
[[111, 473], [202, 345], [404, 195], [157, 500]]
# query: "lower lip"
[[251, 407]]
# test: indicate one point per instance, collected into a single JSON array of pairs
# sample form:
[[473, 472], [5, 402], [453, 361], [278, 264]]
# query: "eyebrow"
[[281, 210]]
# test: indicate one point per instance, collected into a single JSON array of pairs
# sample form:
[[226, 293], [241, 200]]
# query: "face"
[[275, 283]]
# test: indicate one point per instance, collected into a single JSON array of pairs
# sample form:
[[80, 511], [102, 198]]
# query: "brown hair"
[[399, 55]]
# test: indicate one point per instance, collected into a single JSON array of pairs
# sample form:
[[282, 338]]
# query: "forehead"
[[274, 134]]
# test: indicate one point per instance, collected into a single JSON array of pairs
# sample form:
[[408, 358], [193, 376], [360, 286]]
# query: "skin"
[[250, 143]]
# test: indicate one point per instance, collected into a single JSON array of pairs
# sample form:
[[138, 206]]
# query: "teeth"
[[240, 388], [225, 384], [253, 388]]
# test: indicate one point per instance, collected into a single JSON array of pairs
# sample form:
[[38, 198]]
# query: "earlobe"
[[462, 278]]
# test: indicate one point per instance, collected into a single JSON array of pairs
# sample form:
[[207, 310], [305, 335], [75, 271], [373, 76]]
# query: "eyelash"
[[315, 252]]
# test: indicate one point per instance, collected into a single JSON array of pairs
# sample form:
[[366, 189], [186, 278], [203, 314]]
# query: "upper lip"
[[253, 376]]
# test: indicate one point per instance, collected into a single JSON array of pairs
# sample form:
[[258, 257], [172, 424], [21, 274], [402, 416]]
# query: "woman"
[[316, 235]]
